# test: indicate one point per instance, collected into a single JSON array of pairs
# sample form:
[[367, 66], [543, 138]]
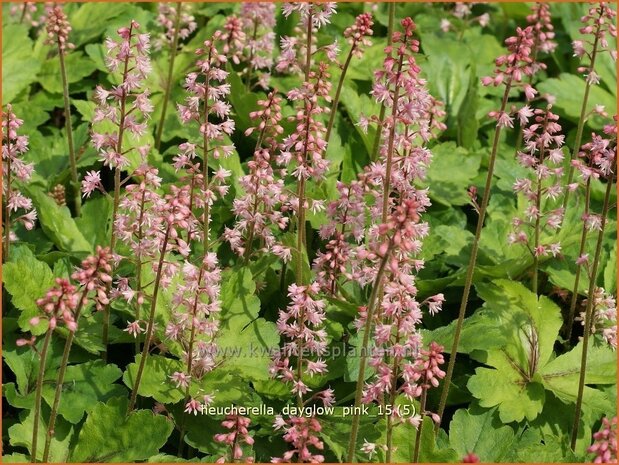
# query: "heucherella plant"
[[389, 261], [510, 71], [304, 151], [121, 111], [542, 157], [258, 19], [302, 326], [594, 162], [14, 169], [297, 51], [603, 316], [463, 18], [357, 37], [173, 216], [207, 90], [260, 211], [237, 435], [605, 158], [58, 29], [351, 241], [26, 12]]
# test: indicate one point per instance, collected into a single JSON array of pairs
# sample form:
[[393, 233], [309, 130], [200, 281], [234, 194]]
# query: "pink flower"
[[123, 104], [58, 29], [605, 442], [238, 435], [14, 147], [91, 182], [134, 329], [168, 16]]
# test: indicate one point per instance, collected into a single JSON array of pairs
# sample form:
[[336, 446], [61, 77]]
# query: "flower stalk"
[[589, 309], [515, 67]]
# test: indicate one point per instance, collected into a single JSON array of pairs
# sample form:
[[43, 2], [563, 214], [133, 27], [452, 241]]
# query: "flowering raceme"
[[259, 211], [126, 105], [258, 19], [239, 434], [207, 90], [511, 69], [170, 15], [293, 57], [543, 158], [605, 442], [599, 22], [14, 168]]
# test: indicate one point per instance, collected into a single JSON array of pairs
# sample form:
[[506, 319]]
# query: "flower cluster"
[[462, 12], [302, 433], [94, 276], [63, 302], [305, 147], [599, 22], [58, 29], [126, 105], [59, 304], [14, 168], [169, 16], [194, 304], [543, 31], [358, 33], [301, 323], [294, 49], [605, 442], [238, 434], [27, 11], [511, 69], [207, 90], [259, 211], [543, 158]]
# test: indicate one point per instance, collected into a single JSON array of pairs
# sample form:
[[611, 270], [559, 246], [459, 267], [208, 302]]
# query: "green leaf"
[[450, 186], [530, 326], [27, 279], [503, 387], [468, 124], [481, 331], [57, 223], [404, 437], [20, 435], [110, 435], [448, 70], [85, 108], [245, 347], [561, 376], [237, 294], [19, 68], [94, 218], [480, 433], [84, 385], [77, 66], [91, 19]]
